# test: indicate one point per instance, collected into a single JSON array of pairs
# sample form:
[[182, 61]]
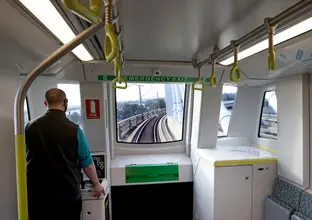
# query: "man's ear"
[[45, 103]]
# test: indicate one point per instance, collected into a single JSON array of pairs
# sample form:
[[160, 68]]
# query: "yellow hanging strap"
[[235, 68], [213, 78], [92, 14], [199, 82], [119, 77], [271, 52], [111, 45]]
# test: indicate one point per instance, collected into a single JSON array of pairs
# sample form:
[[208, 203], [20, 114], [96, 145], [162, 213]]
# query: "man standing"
[[56, 151]]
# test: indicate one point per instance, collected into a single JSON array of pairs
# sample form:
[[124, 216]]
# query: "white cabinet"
[[93, 210], [232, 184], [233, 193], [263, 180]]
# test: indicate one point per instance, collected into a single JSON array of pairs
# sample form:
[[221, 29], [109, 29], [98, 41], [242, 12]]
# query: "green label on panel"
[[175, 79], [143, 173]]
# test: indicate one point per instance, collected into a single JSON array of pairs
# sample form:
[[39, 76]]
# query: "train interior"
[[166, 149]]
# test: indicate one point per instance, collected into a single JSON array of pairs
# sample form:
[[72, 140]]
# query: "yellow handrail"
[[91, 14], [117, 69], [271, 50], [119, 80], [123, 81], [96, 7], [119, 76], [198, 81], [235, 68], [213, 78], [111, 45], [21, 177]]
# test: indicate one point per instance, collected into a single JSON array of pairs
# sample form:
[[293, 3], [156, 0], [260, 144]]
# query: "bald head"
[[55, 97]]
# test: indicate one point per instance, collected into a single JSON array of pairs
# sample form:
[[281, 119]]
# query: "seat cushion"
[[287, 193], [306, 205], [276, 210]]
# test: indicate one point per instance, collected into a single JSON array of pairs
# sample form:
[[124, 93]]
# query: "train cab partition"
[[150, 168], [152, 187]]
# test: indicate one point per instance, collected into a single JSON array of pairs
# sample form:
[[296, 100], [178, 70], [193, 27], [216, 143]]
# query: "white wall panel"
[[245, 115], [292, 144], [94, 129], [8, 205]]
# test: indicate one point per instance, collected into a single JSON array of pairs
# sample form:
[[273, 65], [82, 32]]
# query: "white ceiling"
[[24, 43], [186, 29], [153, 30]]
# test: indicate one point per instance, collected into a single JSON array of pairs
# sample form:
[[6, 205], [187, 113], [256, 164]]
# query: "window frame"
[[154, 148], [183, 126], [264, 136], [227, 133]]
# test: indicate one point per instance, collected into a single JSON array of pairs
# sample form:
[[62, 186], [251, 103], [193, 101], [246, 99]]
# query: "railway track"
[[148, 131]]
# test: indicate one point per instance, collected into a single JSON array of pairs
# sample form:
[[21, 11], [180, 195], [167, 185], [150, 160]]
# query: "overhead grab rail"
[[300, 9], [271, 51], [20, 155], [235, 69], [92, 14]]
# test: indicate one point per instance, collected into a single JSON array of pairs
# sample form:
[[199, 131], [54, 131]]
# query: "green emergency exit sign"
[[175, 79]]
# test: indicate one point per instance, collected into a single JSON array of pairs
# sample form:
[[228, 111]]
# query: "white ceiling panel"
[[24, 44], [176, 29], [186, 29], [153, 30]]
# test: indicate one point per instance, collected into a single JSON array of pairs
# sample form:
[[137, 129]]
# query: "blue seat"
[[287, 193], [305, 208], [283, 202]]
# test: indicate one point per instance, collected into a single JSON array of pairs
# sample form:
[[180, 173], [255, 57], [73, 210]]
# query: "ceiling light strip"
[[301, 7], [47, 14]]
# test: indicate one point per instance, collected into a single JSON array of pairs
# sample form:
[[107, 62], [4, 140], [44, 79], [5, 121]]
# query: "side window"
[[150, 113], [268, 118], [26, 112], [74, 103], [227, 105]]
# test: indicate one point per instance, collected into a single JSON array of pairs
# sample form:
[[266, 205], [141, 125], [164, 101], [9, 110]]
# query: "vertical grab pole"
[[20, 159]]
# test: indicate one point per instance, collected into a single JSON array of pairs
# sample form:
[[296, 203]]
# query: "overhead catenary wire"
[[298, 10]]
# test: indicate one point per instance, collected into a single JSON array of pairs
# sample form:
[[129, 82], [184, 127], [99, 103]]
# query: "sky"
[[72, 93], [229, 89], [271, 97], [147, 91]]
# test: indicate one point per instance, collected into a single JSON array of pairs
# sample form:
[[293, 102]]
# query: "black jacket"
[[52, 157]]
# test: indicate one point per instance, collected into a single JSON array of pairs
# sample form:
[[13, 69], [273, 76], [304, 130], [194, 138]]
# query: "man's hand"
[[98, 190]]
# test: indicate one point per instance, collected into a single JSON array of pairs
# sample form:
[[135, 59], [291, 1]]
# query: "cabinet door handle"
[[260, 169]]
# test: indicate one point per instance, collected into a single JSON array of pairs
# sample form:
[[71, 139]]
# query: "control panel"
[[99, 162]]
